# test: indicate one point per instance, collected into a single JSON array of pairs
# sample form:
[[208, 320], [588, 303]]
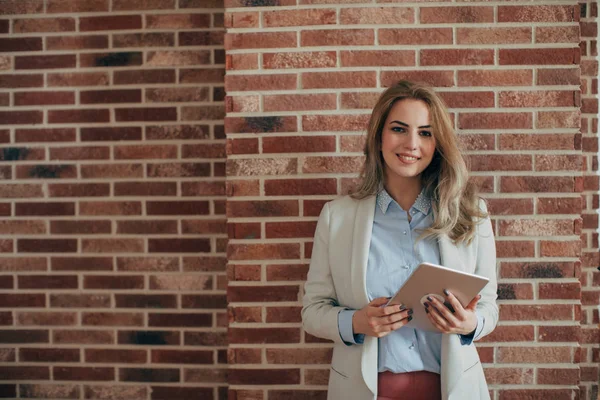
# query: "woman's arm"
[[320, 304], [486, 266]]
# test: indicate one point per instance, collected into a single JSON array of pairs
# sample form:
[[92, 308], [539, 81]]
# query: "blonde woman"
[[414, 204]]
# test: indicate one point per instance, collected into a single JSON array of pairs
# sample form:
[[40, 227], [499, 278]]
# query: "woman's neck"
[[404, 190]]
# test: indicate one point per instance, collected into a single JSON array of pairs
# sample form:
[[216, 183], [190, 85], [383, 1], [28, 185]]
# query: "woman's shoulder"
[[344, 203]]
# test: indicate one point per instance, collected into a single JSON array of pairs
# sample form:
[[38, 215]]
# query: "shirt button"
[[404, 232], [412, 346], [406, 266]]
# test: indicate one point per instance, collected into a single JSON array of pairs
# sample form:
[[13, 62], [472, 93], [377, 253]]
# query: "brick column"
[[113, 233], [302, 76]]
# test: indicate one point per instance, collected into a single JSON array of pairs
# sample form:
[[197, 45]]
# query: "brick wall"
[[113, 233], [301, 78], [590, 277]]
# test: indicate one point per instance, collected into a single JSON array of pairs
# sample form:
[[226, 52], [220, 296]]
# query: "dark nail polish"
[[427, 311], [426, 305], [410, 318], [446, 292], [410, 312], [429, 298]]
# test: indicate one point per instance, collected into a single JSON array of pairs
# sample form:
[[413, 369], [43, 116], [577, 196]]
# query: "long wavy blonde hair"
[[455, 201]]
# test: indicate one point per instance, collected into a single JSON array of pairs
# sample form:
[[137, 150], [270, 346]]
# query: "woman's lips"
[[407, 159]]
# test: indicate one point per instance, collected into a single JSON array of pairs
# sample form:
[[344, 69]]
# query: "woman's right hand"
[[375, 320]]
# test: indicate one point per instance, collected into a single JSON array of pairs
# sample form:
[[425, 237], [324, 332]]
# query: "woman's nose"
[[412, 141]]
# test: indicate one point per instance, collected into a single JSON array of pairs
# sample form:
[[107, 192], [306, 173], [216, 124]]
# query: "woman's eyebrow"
[[406, 125]]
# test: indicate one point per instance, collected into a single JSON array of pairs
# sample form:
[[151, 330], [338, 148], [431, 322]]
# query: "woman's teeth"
[[407, 158]]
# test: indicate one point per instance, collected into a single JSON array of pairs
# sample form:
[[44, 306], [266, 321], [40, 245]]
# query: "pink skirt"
[[419, 385]]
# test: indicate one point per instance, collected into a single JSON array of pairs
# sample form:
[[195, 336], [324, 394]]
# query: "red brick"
[[121, 282], [244, 356], [353, 58], [300, 17], [262, 40], [537, 13], [299, 356], [23, 372], [21, 117], [179, 245], [537, 142], [510, 206], [116, 22], [43, 25], [269, 294], [21, 80], [344, 164], [462, 14], [558, 34], [149, 337], [555, 312], [78, 79], [495, 78], [82, 337], [457, 57], [115, 356], [49, 355], [415, 36], [515, 249], [180, 320], [468, 99], [290, 229], [45, 62], [493, 35], [182, 356], [263, 376], [284, 314], [47, 245], [241, 61], [271, 251], [112, 319], [201, 75], [78, 116], [170, 392], [563, 376], [22, 7], [83, 374], [282, 187], [510, 333], [537, 227], [337, 37], [539, 99], [45, 135], [545, 56], [432, 78], [379, 15], [177, 21], [243, 230], [537, 184], [495, 121], [24, 336], [508, 376], [249, 167], [500, 162], [76, 42], [558, 76], [132, 77], [79, 301], [558, 163], [570, 291], [520, 354], [42, 390], [20, 44], [146, 114], [244, 273], [48, 282], [260, 82], [47, 318], [123, 5]]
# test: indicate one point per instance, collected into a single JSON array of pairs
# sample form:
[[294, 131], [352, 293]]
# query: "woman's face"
[[407, 143]]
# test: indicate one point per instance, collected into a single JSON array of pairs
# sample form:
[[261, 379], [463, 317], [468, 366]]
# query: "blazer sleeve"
[[320, 305], [486, 266]]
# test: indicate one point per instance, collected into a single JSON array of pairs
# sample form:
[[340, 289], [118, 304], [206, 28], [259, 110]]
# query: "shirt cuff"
[[345, 328], [466, 340]]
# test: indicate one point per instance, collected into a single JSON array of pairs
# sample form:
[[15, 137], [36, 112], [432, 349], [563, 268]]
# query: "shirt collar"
[[422, 203]]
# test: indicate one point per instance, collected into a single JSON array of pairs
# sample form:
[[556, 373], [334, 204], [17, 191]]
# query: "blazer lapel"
[[450, 257], [361, 242]]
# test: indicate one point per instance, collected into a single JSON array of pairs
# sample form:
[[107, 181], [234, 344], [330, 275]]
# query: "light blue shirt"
[[393, 256]]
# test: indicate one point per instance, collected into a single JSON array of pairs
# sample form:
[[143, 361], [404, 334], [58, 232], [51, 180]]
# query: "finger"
[[434, 321], [379, 301], [437, 319], [442, 310], [399, 324], [454, 303], [389, 310], [473, 304], [394, 318]]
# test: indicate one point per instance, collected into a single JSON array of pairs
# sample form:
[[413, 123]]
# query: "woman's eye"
[[425, 133], [398, 129]]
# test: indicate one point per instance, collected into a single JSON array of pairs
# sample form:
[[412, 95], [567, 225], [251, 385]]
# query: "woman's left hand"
[[462, 321]]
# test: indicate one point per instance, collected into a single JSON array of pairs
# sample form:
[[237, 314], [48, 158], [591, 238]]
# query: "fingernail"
[[426, 305], [410, 312], [427, 310], [429, 298], [446, 292], [410, 318]]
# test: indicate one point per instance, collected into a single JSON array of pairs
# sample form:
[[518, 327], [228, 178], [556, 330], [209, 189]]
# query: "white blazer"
[[337, 281]]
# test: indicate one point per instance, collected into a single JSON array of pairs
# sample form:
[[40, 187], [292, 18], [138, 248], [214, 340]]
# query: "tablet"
[[431, 280]]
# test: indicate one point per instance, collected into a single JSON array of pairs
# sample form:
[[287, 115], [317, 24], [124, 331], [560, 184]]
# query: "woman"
[[414, 205]]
